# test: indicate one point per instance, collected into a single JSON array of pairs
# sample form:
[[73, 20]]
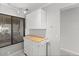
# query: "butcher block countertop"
[[34, 38]]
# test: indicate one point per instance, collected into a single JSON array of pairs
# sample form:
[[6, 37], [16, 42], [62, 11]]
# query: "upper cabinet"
[[36, 19]]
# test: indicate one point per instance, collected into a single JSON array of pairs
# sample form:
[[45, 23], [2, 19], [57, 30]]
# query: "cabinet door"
[[17, 24], [43, 19], [5, 30], [35, 19], [28, 47]]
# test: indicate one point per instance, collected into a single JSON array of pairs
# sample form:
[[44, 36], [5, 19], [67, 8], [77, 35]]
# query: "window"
[[5, 30], [17, 29], [11, 30]]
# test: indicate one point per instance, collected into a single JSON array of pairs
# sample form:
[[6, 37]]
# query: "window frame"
[[12, 29]]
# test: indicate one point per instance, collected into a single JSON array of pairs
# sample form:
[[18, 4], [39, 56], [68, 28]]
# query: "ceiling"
[[27, 5], [20, 7], [30, 6], [23, 6]]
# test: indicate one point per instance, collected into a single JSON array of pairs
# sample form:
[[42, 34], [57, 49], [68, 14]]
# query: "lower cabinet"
[[34, 49]]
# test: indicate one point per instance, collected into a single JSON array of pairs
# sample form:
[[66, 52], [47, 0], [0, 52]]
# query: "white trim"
[[73, 5], [70, 51], [17, 52]]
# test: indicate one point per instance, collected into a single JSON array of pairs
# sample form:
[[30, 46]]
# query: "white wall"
[[53, 30], [5, 9], [13, 49], [53, 27], [70, 30]]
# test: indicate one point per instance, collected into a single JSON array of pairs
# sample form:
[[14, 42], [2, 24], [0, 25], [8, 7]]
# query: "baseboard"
[[68, 52], [25, 54], [16, 53]]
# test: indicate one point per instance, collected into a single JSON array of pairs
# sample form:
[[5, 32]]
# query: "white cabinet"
[[34, 49], [36, 19], [43, 19]]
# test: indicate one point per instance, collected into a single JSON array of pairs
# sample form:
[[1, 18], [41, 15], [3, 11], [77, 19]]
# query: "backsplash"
[[39, 32]]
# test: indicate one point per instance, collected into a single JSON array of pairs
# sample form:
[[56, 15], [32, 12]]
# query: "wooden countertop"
[[34, 38]]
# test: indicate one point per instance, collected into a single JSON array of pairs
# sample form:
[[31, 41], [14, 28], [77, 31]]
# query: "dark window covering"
[[12, 30]]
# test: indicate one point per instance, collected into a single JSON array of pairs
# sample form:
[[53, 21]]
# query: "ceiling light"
[[25, 11]]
